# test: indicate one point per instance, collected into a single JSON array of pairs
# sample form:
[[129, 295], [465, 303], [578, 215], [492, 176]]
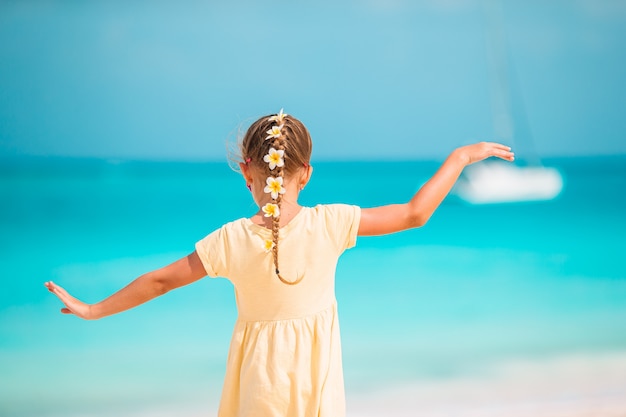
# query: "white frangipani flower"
[[275, 158], [274, 132], [279, 117], [274, 186], [268, 245], [271, 210]]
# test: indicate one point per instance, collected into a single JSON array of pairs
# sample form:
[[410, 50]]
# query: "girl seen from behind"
[[285, 352]]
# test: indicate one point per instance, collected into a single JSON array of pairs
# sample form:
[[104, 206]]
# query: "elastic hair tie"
[[248, 160]]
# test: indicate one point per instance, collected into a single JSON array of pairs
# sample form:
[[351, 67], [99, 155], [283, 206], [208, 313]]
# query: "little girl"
[[285, 352]]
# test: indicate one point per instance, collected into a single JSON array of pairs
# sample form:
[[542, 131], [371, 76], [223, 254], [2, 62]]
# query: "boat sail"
[[499, 182]]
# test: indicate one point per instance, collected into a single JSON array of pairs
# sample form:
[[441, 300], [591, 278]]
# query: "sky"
[[371, 79]]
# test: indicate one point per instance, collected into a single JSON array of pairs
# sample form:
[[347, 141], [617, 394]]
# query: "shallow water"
[[477, 289]]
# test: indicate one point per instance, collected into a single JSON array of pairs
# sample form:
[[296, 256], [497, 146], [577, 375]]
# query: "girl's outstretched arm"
[[146, 287], [396, 217]]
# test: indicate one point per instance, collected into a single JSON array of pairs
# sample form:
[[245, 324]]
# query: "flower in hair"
[[278, 118], [274, 186], [274, 132], [271, 210], [268, 245], [275, 158]]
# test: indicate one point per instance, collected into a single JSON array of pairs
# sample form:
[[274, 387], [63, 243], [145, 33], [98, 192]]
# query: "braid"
[[277, 173], [276, 158]]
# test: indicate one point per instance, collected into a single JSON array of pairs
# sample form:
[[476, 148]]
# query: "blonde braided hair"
[[281, 144]]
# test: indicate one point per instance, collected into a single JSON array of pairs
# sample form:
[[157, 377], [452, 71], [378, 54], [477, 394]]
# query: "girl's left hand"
[[483, 150], [72, 305]]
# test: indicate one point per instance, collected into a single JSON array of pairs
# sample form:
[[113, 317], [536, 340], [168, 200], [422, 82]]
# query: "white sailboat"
[[500, 182], [496, 182]]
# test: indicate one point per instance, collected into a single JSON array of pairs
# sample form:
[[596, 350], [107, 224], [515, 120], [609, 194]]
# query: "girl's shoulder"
[[338, 215], [336, 208], [230, 227], [340, 221]]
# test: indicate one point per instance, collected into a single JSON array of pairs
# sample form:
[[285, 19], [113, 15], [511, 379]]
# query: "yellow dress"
[[285, 352]]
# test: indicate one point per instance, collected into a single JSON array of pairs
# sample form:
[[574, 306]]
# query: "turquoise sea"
[[478, 294]]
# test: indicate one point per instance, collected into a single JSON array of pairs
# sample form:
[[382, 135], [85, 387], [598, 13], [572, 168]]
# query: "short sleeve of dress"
[[213, 252], [342, 223]]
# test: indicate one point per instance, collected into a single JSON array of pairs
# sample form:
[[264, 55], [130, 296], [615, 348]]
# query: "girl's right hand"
[[72, 305]]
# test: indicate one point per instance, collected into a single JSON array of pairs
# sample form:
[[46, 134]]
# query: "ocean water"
[[496, 298]]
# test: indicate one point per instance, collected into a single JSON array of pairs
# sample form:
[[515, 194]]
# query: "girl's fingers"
[[55, 290], [497, 145], [58, 291], [61, 294], [501, 146], [505, 154], [484, 150], [72, 305], [501, 151]]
